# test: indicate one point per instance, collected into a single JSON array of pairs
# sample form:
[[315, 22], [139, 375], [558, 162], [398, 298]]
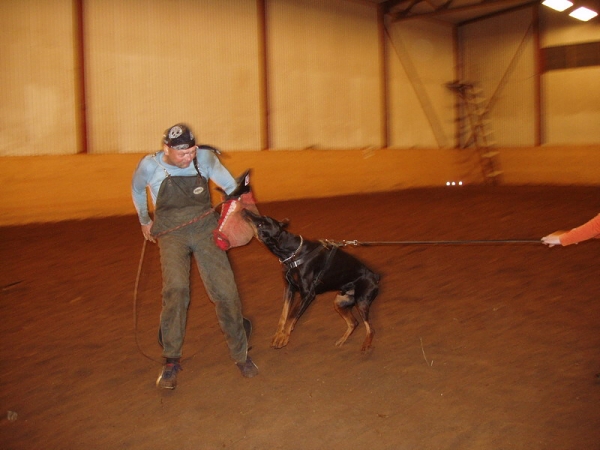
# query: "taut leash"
[[135, 305], [356, 243]]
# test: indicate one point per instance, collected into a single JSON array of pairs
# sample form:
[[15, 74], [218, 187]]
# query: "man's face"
[[179, 158]]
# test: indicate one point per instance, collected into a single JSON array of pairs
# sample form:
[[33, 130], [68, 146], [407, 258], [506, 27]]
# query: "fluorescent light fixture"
[[583, 14], [558, 5]]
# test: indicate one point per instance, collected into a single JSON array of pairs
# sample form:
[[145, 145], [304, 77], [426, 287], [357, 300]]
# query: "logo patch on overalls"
[[198, 190]]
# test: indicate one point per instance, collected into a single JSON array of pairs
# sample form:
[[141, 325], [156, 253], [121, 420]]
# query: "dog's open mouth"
[[249, 217]]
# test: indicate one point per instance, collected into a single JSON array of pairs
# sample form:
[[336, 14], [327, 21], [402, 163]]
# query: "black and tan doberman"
[[312, 268]]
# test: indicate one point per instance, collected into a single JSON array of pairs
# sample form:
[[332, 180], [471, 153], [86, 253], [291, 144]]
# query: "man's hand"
[[146, 232], [553, 239]]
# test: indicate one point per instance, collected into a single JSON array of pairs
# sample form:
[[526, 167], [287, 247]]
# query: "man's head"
[[179, 137], [179, 145]]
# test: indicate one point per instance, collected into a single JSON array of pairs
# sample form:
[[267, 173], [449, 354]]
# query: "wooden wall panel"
[[37, 111], [153, 63], [54, 188]]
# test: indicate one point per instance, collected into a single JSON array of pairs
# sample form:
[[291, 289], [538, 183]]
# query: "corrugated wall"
[[498, 54], [572, 96], [421, 60], [152, 63], [324, 74], [37, 79]]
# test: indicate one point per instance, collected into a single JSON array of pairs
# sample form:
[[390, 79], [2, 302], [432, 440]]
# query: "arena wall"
[[56, 188]]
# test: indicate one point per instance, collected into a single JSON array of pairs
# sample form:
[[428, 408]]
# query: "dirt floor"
[[480, 346]]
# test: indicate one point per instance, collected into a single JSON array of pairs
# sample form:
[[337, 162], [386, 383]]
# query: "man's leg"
[[221, 288], [175, 266]]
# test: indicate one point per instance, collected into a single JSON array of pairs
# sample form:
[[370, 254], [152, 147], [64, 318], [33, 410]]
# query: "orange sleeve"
[[588, 230]]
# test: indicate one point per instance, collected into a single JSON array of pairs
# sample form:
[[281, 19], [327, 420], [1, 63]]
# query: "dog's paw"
[[280, 340], [340, 342], [366, 346]]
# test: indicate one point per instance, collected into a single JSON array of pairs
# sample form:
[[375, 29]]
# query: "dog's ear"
[[284, 223]]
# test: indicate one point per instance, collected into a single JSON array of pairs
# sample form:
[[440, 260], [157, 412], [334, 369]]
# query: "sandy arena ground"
[[492, 346]]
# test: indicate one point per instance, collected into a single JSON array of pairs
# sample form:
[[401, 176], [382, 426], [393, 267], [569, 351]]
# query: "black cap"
[[179, 137]]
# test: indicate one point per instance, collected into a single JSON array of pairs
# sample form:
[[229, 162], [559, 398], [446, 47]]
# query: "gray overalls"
[[180, 200]]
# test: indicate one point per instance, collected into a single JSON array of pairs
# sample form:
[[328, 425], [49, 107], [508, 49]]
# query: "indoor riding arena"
[[436, 142]]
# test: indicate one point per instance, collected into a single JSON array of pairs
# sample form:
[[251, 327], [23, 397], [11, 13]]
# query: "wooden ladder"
[[475, 129]]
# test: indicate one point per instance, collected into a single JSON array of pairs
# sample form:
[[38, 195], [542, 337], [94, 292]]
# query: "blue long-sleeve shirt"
[[150, 172]]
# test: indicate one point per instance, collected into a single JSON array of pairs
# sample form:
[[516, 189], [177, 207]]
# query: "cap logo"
[[179, 137], [175, 132]]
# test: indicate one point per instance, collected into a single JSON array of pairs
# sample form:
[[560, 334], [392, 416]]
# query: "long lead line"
[[455, 242]]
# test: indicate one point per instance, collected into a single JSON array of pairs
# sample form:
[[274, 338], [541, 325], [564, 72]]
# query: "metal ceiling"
[[452, 11]]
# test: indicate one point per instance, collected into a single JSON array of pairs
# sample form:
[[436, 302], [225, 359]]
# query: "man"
[[177, 178]]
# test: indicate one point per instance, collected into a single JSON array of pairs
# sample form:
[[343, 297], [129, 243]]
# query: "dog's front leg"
[[282, 335], [306, 298]]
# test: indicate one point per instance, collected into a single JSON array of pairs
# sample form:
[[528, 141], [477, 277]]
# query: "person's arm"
[[211, 167], [140, 198], [589, 230]]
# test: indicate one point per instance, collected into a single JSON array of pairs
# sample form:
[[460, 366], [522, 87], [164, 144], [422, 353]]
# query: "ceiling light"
[[583, 14], [558, 5]]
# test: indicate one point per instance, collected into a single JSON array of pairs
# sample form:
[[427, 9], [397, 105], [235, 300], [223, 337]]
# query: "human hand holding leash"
[[553, 239], [146, 232]]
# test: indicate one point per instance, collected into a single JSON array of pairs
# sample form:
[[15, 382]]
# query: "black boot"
[[167, 379]]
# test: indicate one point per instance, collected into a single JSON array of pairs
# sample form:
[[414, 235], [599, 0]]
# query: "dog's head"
[[267, 230]]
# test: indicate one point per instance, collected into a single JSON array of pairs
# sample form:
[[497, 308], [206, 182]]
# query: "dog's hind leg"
[[363, 305], [369, 338], [343, 305]]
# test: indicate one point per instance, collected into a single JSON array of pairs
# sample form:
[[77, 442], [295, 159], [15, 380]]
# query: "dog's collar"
[[293, 255], [291, 262]]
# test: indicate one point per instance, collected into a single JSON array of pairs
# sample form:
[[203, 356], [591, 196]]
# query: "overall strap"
[[156, 160], [196, 166]]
